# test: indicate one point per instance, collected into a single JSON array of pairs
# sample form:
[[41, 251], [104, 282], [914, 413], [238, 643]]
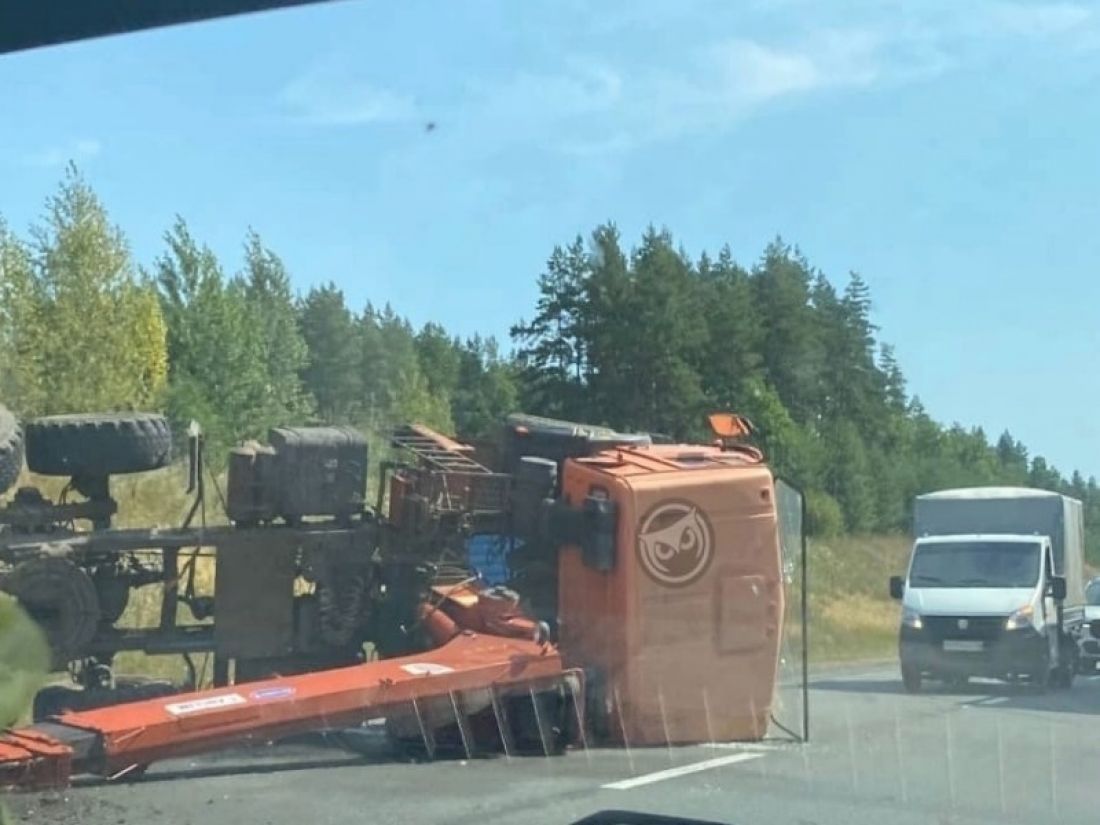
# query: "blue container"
[[487, 555]]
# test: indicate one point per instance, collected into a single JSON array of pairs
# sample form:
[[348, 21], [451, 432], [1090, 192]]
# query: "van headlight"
[[911, 618], [1019, 619]]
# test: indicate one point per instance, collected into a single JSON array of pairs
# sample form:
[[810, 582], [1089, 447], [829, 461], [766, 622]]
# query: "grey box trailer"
[[1011, 511]]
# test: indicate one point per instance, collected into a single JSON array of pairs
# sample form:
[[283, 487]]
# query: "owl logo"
[[675, 543]]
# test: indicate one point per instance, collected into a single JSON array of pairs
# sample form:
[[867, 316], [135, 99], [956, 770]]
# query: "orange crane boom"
[[470, 677]]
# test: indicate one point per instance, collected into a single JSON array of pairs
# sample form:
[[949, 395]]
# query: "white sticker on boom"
[[208, 703], [426, 669]]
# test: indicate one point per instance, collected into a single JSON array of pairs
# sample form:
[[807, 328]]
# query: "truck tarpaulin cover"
[[1010, 510]]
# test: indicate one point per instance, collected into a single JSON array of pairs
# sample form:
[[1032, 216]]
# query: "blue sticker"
[[273, 693]]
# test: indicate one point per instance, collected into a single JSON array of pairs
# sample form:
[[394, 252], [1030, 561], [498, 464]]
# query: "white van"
[[988, 579]]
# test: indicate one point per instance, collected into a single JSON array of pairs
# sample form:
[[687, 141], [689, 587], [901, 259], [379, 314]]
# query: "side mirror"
[[1058, 588], [897, 587]]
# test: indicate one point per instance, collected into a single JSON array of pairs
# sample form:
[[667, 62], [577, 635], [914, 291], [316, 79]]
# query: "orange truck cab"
[[677, 622]]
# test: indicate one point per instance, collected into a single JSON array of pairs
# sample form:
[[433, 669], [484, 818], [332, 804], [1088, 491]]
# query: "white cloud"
[[606, 109], [754, 71], [59, 155], [1039, 19], [336, 95], [581, 87], [600, 110]]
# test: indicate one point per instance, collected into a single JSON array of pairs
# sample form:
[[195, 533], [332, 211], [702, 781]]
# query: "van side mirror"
[[897, 587], [1058, 588]]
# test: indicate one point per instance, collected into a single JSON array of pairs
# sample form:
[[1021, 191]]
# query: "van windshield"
[[975, 564]]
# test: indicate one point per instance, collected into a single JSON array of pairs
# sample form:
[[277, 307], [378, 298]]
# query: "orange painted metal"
[[139, 733], [681, 636], [444, 442], [494, 610], [34, 760]]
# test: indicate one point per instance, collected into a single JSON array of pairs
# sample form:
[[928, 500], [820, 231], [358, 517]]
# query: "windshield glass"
[[389, 385], [975, 564]]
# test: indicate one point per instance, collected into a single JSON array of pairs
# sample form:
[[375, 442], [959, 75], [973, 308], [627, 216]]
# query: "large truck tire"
[[60, 597], [11, 449], [97, 445]]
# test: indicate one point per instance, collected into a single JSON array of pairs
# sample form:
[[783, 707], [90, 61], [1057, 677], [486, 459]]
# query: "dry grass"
[[160, 499]]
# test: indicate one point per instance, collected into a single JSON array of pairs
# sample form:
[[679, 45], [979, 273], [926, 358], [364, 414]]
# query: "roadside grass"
[[851, 615]]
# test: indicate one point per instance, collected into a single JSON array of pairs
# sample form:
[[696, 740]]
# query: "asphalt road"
[[985, 753]]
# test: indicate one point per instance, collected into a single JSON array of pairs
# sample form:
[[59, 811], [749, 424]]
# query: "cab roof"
[[988, 492], [1001, 538]]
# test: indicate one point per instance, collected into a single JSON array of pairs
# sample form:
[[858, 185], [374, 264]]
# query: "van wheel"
[[1040, 681], [911, 679], [1062, 679]]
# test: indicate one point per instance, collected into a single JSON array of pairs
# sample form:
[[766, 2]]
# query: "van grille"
[[977, 627]]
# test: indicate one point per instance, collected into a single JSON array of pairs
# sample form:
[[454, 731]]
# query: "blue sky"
[[947, 151]]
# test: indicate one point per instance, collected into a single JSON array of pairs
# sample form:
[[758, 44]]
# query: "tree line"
[[641, 337]]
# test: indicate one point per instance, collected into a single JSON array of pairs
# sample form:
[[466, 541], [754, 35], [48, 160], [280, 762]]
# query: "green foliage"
[[395, 388], [281, 351], [440, 359], [486, 389], [333, 375], [85, 331], [24, 657], [823, 515], [222, 371], [21, 324]]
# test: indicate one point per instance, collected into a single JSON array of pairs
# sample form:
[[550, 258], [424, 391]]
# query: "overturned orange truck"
[[645, 606]]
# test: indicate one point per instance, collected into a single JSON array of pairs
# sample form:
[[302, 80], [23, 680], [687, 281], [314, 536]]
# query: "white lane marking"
[[984, 701], [862, 676], [683, 770], [744, 746]]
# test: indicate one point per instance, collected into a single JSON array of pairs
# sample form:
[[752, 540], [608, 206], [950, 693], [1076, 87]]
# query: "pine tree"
[[265, 286], [215, 367], [731, 352], [552, 347], [440, 358], [790, 347], [394, 386], [332, 375], [486, 389]]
